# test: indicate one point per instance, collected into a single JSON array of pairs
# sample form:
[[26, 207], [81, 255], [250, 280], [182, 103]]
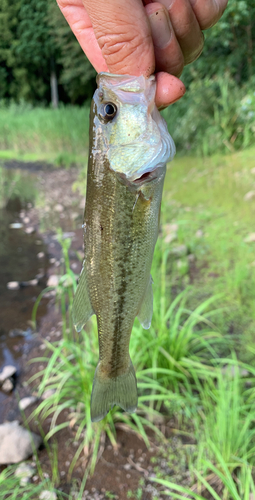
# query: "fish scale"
[[121, 223]]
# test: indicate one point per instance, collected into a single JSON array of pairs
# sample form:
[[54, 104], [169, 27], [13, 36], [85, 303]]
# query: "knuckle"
[[120, 47]]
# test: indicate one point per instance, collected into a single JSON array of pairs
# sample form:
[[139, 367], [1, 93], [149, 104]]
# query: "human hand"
[[140, 37]]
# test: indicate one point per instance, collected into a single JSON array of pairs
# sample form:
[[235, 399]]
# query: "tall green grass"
[[58, 135], [214, 115], [207, 196], [12, 489], [225, 435], [175, 345]]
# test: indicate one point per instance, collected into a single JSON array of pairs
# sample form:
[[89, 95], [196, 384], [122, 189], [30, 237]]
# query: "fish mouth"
[[146, 177]]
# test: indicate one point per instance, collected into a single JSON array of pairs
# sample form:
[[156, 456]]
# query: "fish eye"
[[110, 110]]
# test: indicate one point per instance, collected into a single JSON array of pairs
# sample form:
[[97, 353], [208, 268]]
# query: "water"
[[19, 262]]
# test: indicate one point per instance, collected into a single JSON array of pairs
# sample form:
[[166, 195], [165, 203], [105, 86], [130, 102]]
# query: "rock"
[[40, 255], [26, 220], [58, 208], [16, 225], [191, 257], [48, 393], [8, 385], [29, 230], [48, 495], [24, 472], [26, 402], [7, 371], [68, 234], [17, 332], [170, 228], [13, 285], [199, 233], [170, 237], [16, 443], [248, 196], [171, 232], [33, 282], [232, 371], [53, 280], [179, 251], [250, 238]]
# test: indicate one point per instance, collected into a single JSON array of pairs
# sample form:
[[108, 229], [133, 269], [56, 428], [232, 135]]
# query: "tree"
[[77, 75], [229, 45]]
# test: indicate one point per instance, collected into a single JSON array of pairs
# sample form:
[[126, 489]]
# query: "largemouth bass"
[[129, 147]]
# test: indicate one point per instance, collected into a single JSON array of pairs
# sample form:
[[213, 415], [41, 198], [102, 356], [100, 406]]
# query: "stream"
[[30, 214]]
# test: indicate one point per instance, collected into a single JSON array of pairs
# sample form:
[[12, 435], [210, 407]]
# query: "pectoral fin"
[[82, 309], [146, 309]]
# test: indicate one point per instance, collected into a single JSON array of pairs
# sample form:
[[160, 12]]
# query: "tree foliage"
[[35, 39], [229, 45]]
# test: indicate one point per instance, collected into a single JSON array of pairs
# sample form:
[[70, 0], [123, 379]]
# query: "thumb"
[[124, 36]]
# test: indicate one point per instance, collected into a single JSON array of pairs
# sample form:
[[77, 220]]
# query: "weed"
[[12, 489], [37, 132]]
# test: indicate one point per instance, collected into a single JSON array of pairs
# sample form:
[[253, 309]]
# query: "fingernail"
[[160, 28], [166, 3]]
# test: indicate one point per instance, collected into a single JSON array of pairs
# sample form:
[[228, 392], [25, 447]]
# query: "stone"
[[7, 371], [48, 393], [16, 443], [170, 237], [16, 225], [8, 385], [53, 280], [17, 332], [24, 472], [13, 285], [250, 238], [171, 232], [26, 220], [33, 282], [170, 228], [59, 208], [248, 196], [68, 234], [179, 251], [26, 402], [191, 257], [48, 495], [199, 233], [40, 255], [29, 230]]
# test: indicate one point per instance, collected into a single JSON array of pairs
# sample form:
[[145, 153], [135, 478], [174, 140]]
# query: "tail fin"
[[106, 393]]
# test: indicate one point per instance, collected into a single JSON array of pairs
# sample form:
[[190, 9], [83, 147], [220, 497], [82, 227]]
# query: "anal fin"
[[146, 309], [82, 309]]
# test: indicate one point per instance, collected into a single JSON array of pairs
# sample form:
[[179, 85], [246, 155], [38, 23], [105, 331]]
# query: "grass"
[[214, 115], [206, 199], [11, 487], [225, 436], [30, 133], [203, 309], [179, 370]]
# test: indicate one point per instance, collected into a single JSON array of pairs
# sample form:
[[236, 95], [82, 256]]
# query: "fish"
[[129, 148]]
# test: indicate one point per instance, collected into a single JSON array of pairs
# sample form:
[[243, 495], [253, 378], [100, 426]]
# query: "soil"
[[120, 473]]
